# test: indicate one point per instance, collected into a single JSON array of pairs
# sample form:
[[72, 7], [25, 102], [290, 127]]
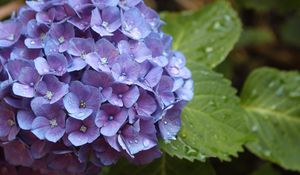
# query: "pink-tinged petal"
[[54, 134], [78, 138], [131, 97], [42, 66], [23, 90], [25, 119]]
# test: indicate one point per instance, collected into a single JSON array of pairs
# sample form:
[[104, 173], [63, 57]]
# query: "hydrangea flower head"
[[86, 82]]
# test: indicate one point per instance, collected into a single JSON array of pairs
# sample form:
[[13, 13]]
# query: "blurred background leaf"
[[163, 166]]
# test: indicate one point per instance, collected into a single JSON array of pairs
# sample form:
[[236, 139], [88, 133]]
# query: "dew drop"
[[254, 92], [227, 18], [267, 153], [11, 37], [191, 151], [279, 91], [165, 122], [202, 157], [209, 49], [136, 141], [254, 128], [295, 94], [272, 84], [32, 42], [217, 25], [146, 143]]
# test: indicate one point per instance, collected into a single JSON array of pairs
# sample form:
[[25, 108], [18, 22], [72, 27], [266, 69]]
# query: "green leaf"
[[213, 124], [207, 35], [164, 166], [255, 36], [290, 31], [272, 101]]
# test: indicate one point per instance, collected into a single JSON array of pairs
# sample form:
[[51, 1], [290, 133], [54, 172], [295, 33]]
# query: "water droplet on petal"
[[10, 37], [146, 143]]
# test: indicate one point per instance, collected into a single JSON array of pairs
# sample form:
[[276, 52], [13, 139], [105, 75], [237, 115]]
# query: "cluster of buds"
[[85, 82]]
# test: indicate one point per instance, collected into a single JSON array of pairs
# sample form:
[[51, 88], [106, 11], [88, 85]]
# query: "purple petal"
[[170, 123], [17, 153], [134, 25], [131, 97], [78, 138], [28, 76], [79, 46], [40, 126], [10, 32], [25, 119], [71, 103], [23, 90], [54, 134]]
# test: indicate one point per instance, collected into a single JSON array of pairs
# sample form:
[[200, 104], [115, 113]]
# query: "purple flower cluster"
[[85, 82]]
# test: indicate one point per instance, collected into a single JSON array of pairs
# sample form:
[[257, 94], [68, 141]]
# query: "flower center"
[[103, 60], [82, 104], [61, 39], [105, 24], [110, 118], [83, 128], [83, 55], [49, 95], [10, 122], [43, 36], [141, 79], [174, 70], [53, 123]]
